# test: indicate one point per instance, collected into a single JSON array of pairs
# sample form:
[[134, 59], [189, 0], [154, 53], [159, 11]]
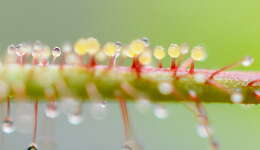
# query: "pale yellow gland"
[[86, 46], [159, 52], [174, 51], [198, 53], [130, 53], [136, 48], [145, 57], [110, 49]]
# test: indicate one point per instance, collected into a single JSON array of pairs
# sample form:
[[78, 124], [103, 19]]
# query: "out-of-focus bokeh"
[[228, 29]]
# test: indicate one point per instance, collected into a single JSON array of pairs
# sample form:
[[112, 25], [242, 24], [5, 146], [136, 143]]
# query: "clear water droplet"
[[8, 126], [75, 119], [143, 105], [20, 50], [160, 112], [247, 61], [237, 97], [202, 131], [131, 145], [257, 93], [51, 111], [98, 110], [145, 40], [11, 49], [56, 52], [200, 77], [184, 48], [32, 147], [192, 93], [165, 88]]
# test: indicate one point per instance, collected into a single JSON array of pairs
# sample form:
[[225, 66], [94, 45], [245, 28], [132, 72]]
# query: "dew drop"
[[202, 131], [56, 52], [199, 77], [37, 49], [145, 40], [160, 112], [98, 110], [32, 147], [131, 145], [20, 50], [257, 93], [184, 48], [237, 97], [51, 111], [143, 105], [165, 88], [248, 60], [8, 126], [75, 119], [11, 49], [192, 93]]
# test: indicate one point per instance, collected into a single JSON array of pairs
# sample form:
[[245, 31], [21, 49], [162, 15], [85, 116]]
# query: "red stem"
[[35, 121]]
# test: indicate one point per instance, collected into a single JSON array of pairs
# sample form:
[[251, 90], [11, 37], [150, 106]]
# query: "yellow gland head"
[[198, 53], [159, 52], [86, 46], [145, 57], [136, 48], [174, 51], [111, 48]]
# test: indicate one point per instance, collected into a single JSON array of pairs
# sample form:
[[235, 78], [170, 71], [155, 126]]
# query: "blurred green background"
[[228, 29]]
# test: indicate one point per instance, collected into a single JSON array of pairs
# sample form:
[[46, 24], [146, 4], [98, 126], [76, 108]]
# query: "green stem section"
[[30, 82]]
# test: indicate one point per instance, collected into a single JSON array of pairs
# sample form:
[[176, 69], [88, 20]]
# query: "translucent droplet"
[[248, 60], [237, 97], [184, 48], [56, 52], [75, 119], [202, 131], [51, 111], [200, 77], [192, 93], [145, 40], [131, 145], [165, 88], [20, 50], [11, 49], [160, 112], [8, 126], [32, 147], [98, 110], [37, 49], [257, 93], [143, 105]]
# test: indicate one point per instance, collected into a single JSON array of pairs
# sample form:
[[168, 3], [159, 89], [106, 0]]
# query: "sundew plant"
[[129, 75], [88, 71]]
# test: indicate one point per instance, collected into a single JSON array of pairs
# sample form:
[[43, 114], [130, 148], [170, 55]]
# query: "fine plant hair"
[[87, 71]]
